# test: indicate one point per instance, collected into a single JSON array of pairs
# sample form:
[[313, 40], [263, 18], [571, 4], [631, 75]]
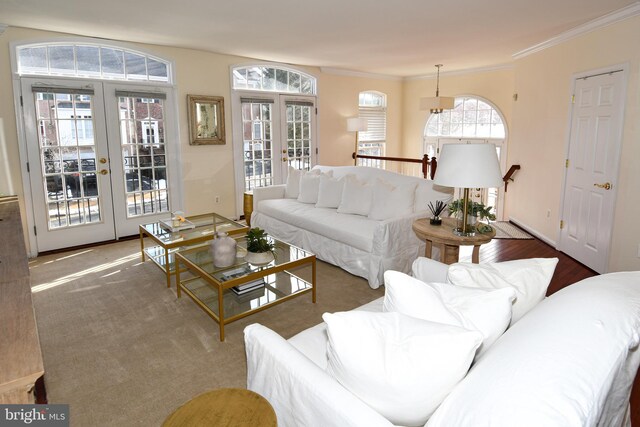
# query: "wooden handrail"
[[507, 176], [428, 165]]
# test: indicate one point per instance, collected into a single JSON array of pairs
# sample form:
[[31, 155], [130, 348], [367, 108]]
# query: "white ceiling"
[[396, 38]]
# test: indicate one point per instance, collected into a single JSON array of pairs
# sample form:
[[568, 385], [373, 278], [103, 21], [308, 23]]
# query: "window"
[[273, 79], [470, 118], [93, 61], [373, 107]]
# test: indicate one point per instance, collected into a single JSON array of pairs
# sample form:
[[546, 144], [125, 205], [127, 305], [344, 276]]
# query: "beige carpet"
[[122, 350]]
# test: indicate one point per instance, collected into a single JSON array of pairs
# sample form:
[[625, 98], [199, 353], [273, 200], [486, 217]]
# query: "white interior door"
[[298, 127], [592, 169], [68, 162]]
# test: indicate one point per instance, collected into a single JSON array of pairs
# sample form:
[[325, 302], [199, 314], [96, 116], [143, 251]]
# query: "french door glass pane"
[[299, 135], [257, 140], [68, 158], [143, 155]]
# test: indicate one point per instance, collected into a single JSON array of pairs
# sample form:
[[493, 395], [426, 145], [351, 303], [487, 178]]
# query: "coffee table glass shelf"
[[210, 286], [167, 242]]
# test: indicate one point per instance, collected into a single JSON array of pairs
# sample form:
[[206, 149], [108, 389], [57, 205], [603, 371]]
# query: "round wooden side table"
[[443, 235], [226, 407]]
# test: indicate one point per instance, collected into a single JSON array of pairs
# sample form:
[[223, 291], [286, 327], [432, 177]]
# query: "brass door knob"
[[104, 172], [103, 160], [606, 185], [284, 159]]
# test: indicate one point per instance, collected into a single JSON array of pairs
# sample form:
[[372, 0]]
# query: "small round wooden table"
[[443, 235], [226, 407]]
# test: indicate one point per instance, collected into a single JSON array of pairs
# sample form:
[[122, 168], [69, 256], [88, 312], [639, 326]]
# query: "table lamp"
[[356, 124], [468, 166]]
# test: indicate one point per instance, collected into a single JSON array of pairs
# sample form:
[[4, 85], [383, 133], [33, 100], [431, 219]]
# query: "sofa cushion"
[[292, 190], [401, 366], [530, 278], [390, 201], [352, 230], [330, 191], [486, 311], [310, 185], [356, 197]]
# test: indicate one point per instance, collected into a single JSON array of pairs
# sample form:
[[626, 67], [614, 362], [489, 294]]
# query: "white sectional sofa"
[[376, 238], [569, 361]]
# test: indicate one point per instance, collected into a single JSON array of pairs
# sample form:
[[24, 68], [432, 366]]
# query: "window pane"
[[157, 70], [61, 59], [136, 66], [112, 62], [88, 58], [33, 59]]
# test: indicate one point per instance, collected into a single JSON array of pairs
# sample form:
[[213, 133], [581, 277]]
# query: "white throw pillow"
[[356, 197], [401, 366], [309, 186], [330, 192], [483, 310], [389, 201], [292, 190], [530, 278]]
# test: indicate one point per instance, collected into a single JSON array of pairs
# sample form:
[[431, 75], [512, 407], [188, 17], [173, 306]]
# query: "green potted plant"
[[475, 210], [259, 246]]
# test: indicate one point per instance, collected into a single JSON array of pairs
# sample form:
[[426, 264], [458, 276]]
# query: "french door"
[[96, 160], [271, 133]]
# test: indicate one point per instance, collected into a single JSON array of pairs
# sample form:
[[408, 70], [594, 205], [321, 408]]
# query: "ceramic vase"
[[223, 249]]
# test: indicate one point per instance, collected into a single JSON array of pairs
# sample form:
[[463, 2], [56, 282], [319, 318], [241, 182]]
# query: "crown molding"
[[2, 28], [342, 72], [463, 72], [601, 22]]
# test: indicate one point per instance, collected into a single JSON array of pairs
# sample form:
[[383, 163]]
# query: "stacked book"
[[248, 287]]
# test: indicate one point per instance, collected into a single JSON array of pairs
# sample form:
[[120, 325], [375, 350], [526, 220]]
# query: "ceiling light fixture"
[[438, 103]]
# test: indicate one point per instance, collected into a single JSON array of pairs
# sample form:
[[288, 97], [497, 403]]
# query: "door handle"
[[284, 151], [103, 160], [104, 172], [606, 185], [284, 159]]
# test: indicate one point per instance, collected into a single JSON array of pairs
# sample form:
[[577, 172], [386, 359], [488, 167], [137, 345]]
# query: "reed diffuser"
[[436, 210]]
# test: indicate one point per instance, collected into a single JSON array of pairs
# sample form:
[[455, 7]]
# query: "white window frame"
[[367, 143]]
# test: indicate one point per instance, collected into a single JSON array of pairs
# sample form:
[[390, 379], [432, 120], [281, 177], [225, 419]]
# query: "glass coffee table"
[[210, 287], [167, 242]]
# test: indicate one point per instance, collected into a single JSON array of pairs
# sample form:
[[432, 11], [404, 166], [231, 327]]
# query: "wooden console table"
[[450, 243], [20, 355]]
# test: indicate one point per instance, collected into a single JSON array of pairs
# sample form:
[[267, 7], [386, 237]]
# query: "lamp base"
[[471, 231]]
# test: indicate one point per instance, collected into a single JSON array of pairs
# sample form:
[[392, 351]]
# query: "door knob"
[[104, 172], [284, 159], [606, 185], [284, 151], [103, 160]]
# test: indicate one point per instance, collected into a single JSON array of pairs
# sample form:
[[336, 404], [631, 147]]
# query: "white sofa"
[[570, 361], [361, 245]]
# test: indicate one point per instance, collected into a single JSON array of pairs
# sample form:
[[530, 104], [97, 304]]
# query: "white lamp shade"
[[357, 124], [437, 103], [468, 166]]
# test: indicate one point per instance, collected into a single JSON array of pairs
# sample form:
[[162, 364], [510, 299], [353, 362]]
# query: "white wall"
[[540, 132]]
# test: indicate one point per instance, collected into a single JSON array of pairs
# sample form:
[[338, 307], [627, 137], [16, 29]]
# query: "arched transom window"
[[91, 61], [470, 118], [273, 79]]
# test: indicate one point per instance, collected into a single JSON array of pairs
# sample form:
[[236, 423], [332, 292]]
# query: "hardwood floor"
[[567, 272]]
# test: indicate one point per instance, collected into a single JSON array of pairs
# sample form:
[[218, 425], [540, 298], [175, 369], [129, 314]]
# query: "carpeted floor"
[[121, 349]]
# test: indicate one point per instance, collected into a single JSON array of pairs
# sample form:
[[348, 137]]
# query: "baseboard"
[[533, 232]]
